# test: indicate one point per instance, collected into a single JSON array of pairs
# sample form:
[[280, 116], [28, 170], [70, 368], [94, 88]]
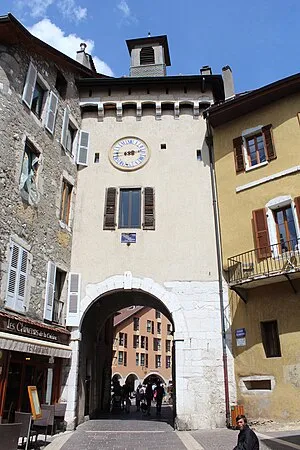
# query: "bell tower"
[[149, 56]]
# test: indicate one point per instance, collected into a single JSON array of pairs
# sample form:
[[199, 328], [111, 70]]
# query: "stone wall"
[[37, 227]]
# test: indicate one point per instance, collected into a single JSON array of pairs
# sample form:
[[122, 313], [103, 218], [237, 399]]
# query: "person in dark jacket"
[[247, 439]]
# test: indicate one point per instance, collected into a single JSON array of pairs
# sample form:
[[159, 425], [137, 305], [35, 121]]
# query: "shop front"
[[31, 354]]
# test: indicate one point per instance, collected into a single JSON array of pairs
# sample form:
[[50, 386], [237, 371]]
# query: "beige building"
[[256, 139], [142, 346]]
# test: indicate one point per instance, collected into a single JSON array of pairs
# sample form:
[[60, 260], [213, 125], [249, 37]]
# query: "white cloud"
[[68, 44], [127, 16], [38, 8]]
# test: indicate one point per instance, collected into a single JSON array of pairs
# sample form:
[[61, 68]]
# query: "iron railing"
[[264, 262]]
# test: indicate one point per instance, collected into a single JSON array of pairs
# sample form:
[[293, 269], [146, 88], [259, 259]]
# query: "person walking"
[[138, 397], [149, 396], [159, 393], [247, 439]]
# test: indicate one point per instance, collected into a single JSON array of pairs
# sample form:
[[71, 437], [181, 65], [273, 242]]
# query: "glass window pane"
[[124, 208], [136, 208]]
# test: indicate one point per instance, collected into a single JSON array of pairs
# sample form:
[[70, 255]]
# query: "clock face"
[[129, 153]]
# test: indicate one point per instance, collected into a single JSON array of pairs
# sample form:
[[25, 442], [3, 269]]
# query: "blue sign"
[[240, 332], [128, 238]]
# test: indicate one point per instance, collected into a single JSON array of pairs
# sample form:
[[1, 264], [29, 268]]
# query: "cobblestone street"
[[137, 432]]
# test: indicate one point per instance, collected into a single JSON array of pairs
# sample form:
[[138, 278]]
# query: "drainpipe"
[[209, 142]]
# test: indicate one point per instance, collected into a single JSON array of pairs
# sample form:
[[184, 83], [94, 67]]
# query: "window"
[[157, 314], [58, 304], [17, 277], [168, 362], [168, 345], [133, 203], [199, 155], [135, 341], [142, 359], [285, 227], [73, 140], [61, 84], [66, 202], [157, 361], [122, 358], [149, 326], [158, 327], [270, 338], [121, 339], [147, 56], [254, 148], [143, 341], [169, 329], [137, 359], [136, 323], [28, 177], [37, 100], [156, 344], [130, 208], [146, 362]]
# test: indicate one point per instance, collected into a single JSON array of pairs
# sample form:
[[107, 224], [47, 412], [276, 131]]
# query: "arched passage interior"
[[95, 353]]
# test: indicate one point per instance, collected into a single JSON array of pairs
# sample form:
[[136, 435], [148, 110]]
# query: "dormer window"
[[147, 56]]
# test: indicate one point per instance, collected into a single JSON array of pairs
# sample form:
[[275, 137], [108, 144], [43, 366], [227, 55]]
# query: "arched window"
[[147, 56]]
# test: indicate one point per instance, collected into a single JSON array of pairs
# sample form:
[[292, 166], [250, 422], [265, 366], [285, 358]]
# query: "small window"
[[121, 339], [135, 341], [157, 314], [58, 304], [156, 344], [96, 158], [168, 362], [61, 84], [137, 359], [264, 385], [163, 146], [158, 327], [130, 208], [66, 202], [28, 177], [169, 329], [146, 362], [168, 345], [149, 326], [199, 155], [37, 100], [157, 361], [147, 56], [270, 338], [142, 360], [136, 323], [71, 133], [143, 341], [121, 358], [255, 149]]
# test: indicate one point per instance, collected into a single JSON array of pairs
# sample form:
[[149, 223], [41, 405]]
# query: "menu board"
[[34, 402]]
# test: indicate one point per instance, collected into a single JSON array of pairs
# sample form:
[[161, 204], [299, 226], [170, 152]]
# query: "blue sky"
[[258, 39]]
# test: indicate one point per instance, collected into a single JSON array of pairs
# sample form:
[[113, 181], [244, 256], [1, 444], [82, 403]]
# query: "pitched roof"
[[125, 313], [13, 32]]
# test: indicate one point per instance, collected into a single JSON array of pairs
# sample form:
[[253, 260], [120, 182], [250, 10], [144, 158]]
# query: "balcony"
[[260, 266]]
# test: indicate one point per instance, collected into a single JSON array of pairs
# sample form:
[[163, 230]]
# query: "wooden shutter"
[[149, 209], [238, 154], [29, 85], [17, 278], [269, 146], [50, 288], [51, 113], [83, 148], [65, 126], [261, 233], [110, 209], [73, 300]]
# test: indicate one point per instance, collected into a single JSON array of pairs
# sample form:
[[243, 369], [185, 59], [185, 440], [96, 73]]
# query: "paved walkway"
[[137, 432]]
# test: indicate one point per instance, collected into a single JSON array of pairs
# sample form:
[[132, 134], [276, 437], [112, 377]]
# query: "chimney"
[[205, 70], [228, 82], [82, 57]]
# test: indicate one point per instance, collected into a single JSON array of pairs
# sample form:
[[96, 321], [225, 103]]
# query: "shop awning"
[[24, 344]]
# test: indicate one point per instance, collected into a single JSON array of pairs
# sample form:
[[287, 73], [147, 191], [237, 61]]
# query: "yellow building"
[[256, 141]]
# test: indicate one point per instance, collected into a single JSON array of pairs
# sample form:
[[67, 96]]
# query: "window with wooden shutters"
[[83, 148], [51, 113], [238, 154], [73, 299], [149, 209], [29, 87], [261, 233], [50, 287], [147, 56], [17, 278], [110, 209]]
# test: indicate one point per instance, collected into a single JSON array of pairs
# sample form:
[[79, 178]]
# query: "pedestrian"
[[126, 397], [247, 439], [149, 396], [159, 393], [138, 397]]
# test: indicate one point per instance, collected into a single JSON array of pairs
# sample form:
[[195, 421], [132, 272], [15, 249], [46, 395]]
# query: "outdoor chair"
[[43, 422], [51, 408], [59, 414], [9, 435], [25, 419]]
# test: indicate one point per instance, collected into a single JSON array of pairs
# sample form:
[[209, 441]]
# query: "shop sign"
[[128, 238], [21, 328], [240, 336]]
